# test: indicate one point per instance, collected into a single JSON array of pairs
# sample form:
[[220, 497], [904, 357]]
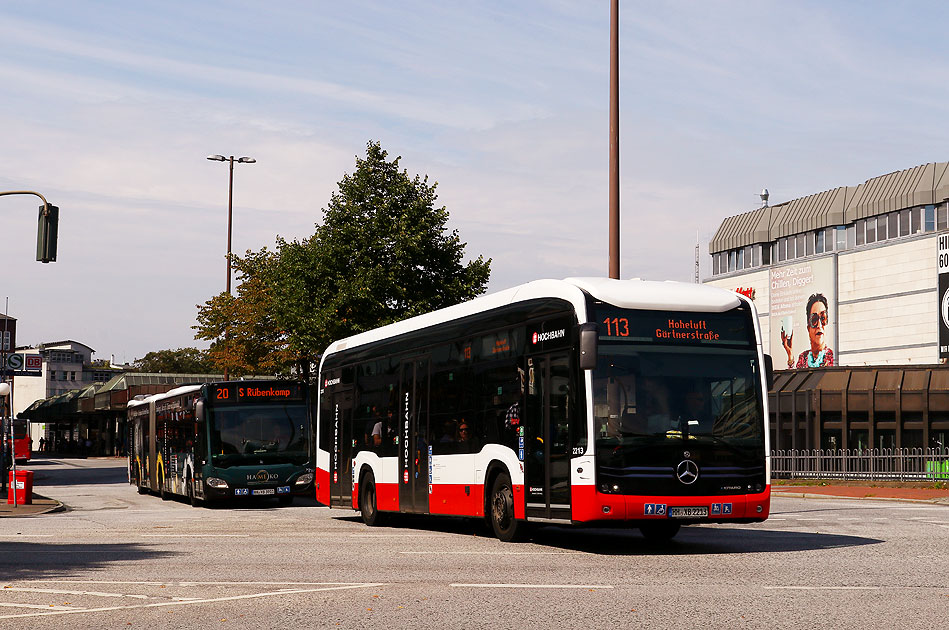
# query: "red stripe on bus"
[[451, 498], [323, 486], [590, 505]]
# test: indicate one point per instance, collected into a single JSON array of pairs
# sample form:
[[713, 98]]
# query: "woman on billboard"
[[819, 354]]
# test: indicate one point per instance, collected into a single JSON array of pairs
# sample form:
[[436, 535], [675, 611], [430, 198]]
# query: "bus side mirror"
[[768, 371], [199, 411], [588, 343]]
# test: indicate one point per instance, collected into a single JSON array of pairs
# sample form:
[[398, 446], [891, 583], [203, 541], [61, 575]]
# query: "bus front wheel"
[[505, 526], [192, 499], [368, 504]]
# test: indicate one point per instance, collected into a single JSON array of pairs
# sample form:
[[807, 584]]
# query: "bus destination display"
[[251, 392], [673, 327]]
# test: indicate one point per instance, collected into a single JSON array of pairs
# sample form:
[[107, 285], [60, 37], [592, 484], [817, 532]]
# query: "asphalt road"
[[116, 559]]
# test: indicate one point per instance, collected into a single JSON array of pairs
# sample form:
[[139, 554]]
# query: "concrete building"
[[853, 276], [870, 250], [67, 366]]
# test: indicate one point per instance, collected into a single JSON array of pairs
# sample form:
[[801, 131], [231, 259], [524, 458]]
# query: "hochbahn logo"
[[332, 381], [540, 337]]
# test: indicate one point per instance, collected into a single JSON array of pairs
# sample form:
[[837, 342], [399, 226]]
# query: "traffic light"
[[47, 233]]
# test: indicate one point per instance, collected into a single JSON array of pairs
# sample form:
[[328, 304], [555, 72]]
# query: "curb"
[[807, 495], [37, 510]]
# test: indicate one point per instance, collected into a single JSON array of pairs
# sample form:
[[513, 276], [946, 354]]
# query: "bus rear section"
[[621, 403], [222, 441]]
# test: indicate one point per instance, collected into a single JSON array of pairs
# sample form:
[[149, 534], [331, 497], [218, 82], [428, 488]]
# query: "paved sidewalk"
[[894, 493], [40, 505]]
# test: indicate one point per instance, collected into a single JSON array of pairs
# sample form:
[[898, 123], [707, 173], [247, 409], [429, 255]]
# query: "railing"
[[894, 464]]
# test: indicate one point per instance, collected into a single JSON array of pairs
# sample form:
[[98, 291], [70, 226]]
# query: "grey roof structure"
[[921, 185]]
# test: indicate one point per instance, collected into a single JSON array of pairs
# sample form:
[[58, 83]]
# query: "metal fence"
[[893, 464]]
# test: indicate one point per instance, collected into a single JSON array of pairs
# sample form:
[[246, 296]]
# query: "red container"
[[22, 485]]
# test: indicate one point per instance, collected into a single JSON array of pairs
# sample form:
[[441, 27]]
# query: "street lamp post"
[[230, 194]]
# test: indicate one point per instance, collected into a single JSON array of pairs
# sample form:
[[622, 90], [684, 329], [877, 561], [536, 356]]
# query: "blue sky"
[[109, 109]]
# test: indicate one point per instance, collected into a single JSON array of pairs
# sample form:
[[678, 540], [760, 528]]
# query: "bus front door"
[[337, 407], [414, 449], [549, 411]]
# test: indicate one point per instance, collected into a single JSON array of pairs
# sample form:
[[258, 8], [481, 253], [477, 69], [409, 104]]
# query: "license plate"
[[263, 491], [688, 512]]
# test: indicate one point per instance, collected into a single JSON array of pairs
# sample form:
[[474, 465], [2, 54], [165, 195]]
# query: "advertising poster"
[[803, 314], [942, 265]]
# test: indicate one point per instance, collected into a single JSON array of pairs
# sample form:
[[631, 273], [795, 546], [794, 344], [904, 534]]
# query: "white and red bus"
[[586, 400]]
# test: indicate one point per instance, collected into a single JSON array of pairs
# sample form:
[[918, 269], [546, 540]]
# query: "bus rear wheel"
[[659, 531], [368, 504], [505, 526]]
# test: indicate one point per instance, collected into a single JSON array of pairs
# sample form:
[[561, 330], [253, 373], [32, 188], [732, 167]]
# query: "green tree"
[[245, 337], [382, 254], [180, 361]]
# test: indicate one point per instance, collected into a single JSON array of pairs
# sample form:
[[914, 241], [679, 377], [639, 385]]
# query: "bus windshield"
[[258, 433], [660, 395]]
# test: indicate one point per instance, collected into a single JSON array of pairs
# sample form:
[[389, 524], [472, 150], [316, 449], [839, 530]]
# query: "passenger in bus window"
[[657, 408], [449, 432], [464, 437], [696, 415]]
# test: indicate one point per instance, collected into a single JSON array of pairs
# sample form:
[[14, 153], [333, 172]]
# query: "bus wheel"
[[142, 489], [659, 530], [192, 499], [368, 505], [505, 526]]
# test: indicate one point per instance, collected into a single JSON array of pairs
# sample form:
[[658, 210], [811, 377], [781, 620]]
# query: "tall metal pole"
[[614, 139], [230, 195]]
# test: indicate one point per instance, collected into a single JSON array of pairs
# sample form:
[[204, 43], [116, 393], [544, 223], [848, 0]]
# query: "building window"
[[871, 230], [915, 218], [942, 216], [840, 240], [819, 241], [904, 222], [930, 218], [861, 227], [767, 253], [714, 264], [52, 375], [800, 246], [756, 256]]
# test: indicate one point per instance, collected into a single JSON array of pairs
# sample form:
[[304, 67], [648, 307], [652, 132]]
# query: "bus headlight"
[[214, 482], [304, 479]]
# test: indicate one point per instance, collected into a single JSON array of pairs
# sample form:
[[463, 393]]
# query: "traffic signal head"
[[47, 233]]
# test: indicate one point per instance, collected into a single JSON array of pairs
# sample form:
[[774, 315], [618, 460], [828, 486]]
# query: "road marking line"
[[823, 588], [195, 535], [40, 607], [586, 586], [212, 600], [189, 583], [58, 591]]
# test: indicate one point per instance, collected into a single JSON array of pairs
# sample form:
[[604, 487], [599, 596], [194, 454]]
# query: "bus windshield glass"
[[677, 379], [258, 433]]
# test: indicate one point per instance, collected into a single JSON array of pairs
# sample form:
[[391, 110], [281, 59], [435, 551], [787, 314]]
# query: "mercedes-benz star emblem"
[[687, 471]]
